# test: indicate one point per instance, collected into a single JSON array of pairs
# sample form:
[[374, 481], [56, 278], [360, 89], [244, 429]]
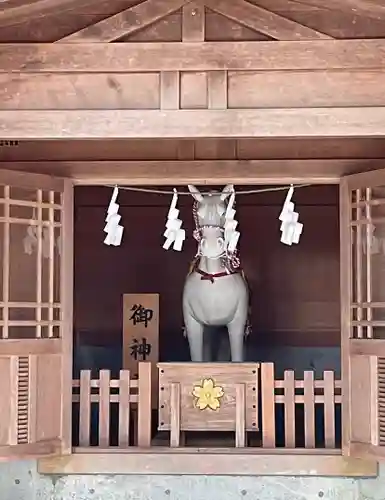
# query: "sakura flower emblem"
[[207, 395]]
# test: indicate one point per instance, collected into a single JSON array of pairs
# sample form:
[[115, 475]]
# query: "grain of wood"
[[309, 408], [104, 409], [85, 408], [124, 408], [240, 417], [175, 407], [329, 410], [125, 23], [193, 22], [289, 408], [268, 405]]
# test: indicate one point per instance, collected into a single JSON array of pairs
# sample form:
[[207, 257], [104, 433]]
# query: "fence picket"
[[124, 408], [104, 408], [289, 404], [268, 405], [85, 408], [329, 410], [144, 405], [309, 408]]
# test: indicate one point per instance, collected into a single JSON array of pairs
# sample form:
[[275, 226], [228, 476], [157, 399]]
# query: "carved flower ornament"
[[207, 395]]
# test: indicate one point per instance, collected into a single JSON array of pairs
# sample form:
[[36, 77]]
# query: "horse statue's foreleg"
[[194, 332], [236, 329]]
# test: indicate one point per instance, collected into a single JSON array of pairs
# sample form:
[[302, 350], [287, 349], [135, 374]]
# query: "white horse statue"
[[216, 293]]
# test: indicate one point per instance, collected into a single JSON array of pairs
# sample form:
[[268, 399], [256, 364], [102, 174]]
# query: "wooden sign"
[[141, 333]]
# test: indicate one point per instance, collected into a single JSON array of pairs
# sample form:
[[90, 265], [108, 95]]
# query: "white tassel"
[[113, 229], [290, 228], [174, 233]]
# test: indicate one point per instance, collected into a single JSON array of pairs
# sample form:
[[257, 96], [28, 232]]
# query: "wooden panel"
[[342, 24], [49, 386], [36, 311], [170, 90], [194, 90], [217, 90], [264, 21], [360, 425], [101, 91], [225, 376], [8, 412], [140, 330], [360, 153], [135, 124], [305, 89], [194, 56], [222, 29], [193, 19], [126, 22]]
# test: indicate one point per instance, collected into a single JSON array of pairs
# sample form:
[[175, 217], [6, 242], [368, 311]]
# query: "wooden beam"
[[264, 21], [193, 22], [26, 12], [188, 124], [367, 347], [194, 56], [125, 23], [200, 172], [255, 461], [366, 8], [212, 89]]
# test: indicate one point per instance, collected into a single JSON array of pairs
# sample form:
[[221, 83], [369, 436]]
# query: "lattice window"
[[368, 263], [30, 229], [381, 401], [23, 400]]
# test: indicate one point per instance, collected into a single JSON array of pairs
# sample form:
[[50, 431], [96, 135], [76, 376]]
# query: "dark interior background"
[[295, 289]]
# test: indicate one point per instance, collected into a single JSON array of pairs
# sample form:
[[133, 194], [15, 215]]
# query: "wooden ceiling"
[[154, 20], [84, 21]]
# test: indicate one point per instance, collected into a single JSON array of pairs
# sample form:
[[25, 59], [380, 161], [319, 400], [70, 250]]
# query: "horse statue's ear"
[[227, 191], [195, 193]]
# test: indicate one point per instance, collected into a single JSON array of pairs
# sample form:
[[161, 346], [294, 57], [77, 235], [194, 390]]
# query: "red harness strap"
[[211, 277]]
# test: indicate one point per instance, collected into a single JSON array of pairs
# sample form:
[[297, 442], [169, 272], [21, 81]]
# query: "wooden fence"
[[293, 413], [304, 404]]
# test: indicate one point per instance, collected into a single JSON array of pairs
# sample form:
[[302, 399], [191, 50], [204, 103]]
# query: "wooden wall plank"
[[135, 124], [196, 56], [368, 8], [264, 21], [125, 23], [187, 171], [194, 90], [169, 90], [199, 90], [342, 24], [250, 89], [217, 90], [193, 22], [360, 150], [70, 91]]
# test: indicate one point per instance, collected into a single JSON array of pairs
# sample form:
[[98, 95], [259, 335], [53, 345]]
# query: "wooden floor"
[[204, 461]]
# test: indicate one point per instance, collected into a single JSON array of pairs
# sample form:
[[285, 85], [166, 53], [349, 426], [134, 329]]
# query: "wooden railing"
[[304, 402], [117, 412], [123, 404]]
